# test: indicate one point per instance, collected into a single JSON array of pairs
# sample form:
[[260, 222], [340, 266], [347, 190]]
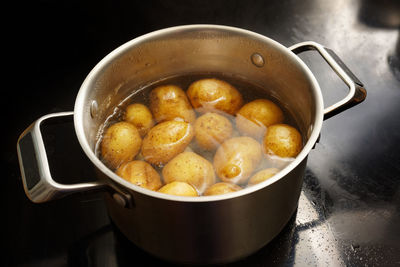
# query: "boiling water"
[[248, 90]]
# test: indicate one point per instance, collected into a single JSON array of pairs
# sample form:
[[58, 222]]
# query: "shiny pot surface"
[[202, 230]]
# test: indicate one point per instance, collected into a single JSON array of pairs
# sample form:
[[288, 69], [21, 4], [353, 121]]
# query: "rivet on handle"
[[93, 109], [257, 60]]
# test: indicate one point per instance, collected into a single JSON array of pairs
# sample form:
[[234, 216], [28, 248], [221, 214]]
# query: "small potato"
[[221, 188], [211, 129], [237, 158], [262, 175], [140, 116], [282, 140], [120, 143], [254, 117], [179, 189], [191, 168], [140, 173], [169, 102], [214, 95], [166, 140]]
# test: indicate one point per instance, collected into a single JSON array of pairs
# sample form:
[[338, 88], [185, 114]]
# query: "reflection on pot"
[[307, 233], [108, 246]]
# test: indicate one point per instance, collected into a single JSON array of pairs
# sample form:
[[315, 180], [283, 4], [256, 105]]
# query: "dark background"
[[349, 211]]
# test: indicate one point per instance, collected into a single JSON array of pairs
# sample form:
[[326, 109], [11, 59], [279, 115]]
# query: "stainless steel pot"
[[212, 229]]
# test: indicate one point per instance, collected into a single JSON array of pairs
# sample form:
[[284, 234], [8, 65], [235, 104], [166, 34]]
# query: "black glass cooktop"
[[349, 208]]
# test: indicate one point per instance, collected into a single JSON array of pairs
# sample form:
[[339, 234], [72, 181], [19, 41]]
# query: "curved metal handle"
[[39, 186], [357, 92]]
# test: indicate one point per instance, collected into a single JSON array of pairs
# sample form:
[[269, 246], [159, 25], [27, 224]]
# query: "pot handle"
[[38, 184], [357, 92]]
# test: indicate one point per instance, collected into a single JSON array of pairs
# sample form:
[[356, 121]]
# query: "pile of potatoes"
[[155, 147]]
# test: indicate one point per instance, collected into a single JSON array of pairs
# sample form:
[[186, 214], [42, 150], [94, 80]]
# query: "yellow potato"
[[237, 158], [211, 129], [262, 175], [120, 143], [254, 117], [179, 189], [169, 102], [191, 168], [214, 95], [140, 116], [221, 188], [166, 140], [140, 173], [282, 140]]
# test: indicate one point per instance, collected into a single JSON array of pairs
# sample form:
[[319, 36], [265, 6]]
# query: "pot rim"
[[86, 85]]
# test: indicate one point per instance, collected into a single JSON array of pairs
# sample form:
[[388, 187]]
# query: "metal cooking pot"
[[209, 229]]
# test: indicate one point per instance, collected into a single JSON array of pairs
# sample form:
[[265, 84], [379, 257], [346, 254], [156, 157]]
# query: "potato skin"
[[212, 129], [191, 168], [179, 189], [214, 95], [120, 143], [262, 175], [237, 158], [221, 188], [282, 140], [169, 102], [254, 117], [166, 140], [140, 173], [140, 116]]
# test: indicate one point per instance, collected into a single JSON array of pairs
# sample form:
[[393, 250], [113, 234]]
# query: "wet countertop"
[[349, 208]]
